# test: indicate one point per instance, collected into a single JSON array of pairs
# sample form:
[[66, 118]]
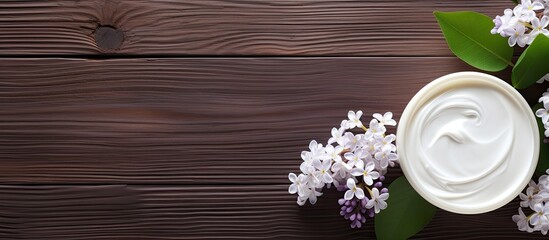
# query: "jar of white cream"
[[468, 142]]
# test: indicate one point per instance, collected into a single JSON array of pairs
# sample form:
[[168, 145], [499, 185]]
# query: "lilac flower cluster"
[[354, 163], [524, 22], [536, 199]]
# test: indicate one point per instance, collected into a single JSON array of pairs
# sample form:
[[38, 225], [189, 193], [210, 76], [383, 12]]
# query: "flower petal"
[[349, 194], [382, 205], [312, 145], [378, 116], [292, 189], [351, 183], [383, 196], [359, 193], [357, 172], [368, 180], [327, 178], [292, 177], [374, 175], [312, 199], [370, 204], [326, 164], [351, 115], [370, 166]]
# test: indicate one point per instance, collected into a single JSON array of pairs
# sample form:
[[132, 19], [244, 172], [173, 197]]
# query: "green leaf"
[[406, 214], [515, 1], [543, 161], [532, 63], [468, 36]]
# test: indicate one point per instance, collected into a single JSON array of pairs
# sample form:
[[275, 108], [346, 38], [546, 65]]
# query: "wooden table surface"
[[163, 119]]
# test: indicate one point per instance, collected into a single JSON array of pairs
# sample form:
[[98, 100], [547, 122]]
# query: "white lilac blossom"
[[377, 201], [536, 199], [543, 113], [354, 160], [523, 23]]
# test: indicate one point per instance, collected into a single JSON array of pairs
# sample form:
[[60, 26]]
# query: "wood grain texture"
[[234, 27], [200, 121], [207, 212]]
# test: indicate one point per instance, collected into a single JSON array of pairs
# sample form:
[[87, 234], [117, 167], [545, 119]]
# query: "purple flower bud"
[[346, 216], [352, 217], [353, 224], [349, 210], [363, 220], [371, 212], [358, 224], [348, 203], [353, 203], [378, 184], [359, 216], [382, 178], [343, 208], [384, 190], [342, 213], [364, 202]]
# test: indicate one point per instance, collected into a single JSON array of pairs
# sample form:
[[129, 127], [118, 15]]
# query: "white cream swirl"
[[468, 144]]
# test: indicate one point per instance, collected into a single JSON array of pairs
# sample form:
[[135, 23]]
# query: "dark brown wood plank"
[[207, 212], [188, 120], [235, 27]]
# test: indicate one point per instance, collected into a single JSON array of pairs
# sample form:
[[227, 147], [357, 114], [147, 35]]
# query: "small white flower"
[[307, 167], [367, 173], [522, 221], [504, 22], [370, 146], [375, 129], [539, 27], [355, 158], [350, 140], [540, 217], [377, 201], [543, 183], [385, 142], [311, 195], [526, 10], [316, 149], [517, 35], [354, 119], [298, 184], [323, 172], [353, 190], [530, 198], [332, 153], [340, 168], [337, 136], [386, 119], [386, 157], [543, 113]]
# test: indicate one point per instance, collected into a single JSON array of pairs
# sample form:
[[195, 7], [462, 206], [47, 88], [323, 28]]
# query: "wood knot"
[[108, 38]]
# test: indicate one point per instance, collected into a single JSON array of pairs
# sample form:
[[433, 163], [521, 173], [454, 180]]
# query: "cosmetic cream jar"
[[468, 142]]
